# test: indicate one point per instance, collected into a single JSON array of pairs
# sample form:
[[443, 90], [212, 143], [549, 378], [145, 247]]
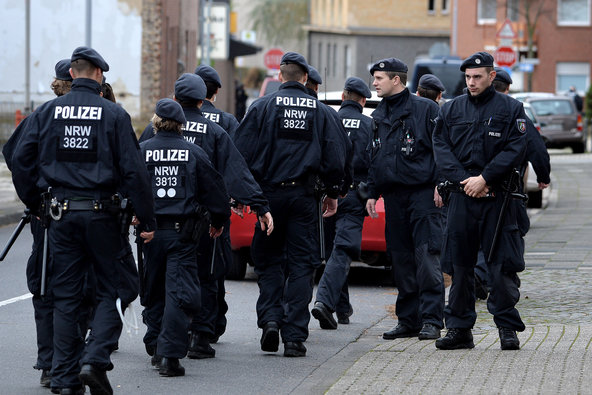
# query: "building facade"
[[562, 39], [346, 36]]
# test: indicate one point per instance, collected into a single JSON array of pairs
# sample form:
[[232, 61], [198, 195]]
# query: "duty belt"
[[168, 224], [87, 205]]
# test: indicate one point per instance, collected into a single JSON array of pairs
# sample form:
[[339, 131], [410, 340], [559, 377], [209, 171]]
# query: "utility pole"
[[28, 56], [88, 23]]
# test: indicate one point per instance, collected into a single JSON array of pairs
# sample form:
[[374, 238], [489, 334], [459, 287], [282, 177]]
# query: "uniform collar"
[[483, 97], [168, 134], [312, 93], [293, 84], [352, 103], [208, 105], [192, 110], [86, 84]]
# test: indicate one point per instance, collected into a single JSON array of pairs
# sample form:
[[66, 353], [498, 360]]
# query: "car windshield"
[[552, 107], [450, 75], [529, 113]]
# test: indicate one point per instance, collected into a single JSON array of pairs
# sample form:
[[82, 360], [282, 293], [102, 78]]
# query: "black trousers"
[[414, 237], [471, 225], [82, 241], [333, 290], [285, 262], [172, 294]]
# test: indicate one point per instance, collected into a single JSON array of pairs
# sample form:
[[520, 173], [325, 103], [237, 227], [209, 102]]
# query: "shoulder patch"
[[521, 125]]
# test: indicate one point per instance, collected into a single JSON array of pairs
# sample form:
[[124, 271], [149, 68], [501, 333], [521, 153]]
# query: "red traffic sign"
[[272, 58], [505, 56]]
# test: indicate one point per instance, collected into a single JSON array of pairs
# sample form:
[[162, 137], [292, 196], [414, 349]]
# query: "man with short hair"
[[430, 87], [479, 140], [403, 171], [288, 140], [332, 293], [84, 170]]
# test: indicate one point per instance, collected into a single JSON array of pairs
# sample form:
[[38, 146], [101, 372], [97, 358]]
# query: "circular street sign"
[[505, 56], [272, 58]]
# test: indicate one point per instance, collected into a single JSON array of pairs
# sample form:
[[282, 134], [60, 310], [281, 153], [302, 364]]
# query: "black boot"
[[199, 347], [294, 349], [429, 332], [96, 380], [325, 317], [400, 331], [455, 339], [270, 338], [508, 339], [343, 318], [45, 379], [170, 367]]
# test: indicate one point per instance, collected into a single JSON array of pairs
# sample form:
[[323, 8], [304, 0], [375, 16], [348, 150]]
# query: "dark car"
[[446, 69], [562, 125]]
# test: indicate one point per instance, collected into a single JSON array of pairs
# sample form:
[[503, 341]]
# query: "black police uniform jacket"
[[225, 120], [537, 154], [484, 134], [224, 156], [84, 143], [289, 136], [402, 152], [359, 130], [183, 179]]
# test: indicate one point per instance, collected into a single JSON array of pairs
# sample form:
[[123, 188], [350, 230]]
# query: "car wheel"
[[578, 148], [535, 199], [238, 266]]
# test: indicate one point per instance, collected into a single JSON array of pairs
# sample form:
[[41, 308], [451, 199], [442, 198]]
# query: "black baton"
[[25, 219]]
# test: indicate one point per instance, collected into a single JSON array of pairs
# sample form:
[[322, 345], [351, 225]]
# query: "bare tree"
[[280, 20]]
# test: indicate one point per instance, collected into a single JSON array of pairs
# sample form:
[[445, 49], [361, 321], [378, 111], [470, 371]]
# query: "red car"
[[241, 234]]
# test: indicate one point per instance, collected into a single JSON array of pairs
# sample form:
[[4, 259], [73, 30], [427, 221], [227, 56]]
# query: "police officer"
[[313, 82], [332, 293], [537, 154], [430, 87], [84, 147], [288, 140], [404, 173], [480, 137], [184, 184], [226, 120], [190, 92]]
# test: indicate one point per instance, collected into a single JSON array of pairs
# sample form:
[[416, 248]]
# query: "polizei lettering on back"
[[197, 127], [351, 123], [212, 116], [167, 155], [78, 112], [294, 101]]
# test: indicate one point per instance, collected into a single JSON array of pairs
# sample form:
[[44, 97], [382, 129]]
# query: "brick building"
[[562, 38], [346, 36]]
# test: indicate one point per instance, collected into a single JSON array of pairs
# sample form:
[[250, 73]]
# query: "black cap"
[[314, 76], [503, 76], [295, 58], [208, 74], [91, 55], [357, 85], [476, 60], [431, 82], [390, 64], [190, 87], [62, 70], [170, 109]]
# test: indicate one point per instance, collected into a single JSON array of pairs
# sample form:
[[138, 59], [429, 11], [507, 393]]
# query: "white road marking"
[[17, 299]]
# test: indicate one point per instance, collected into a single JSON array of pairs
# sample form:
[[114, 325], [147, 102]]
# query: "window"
[[334, 64], [486, 11], [347, 62], [431, 7], [573, 12], [445, 7], [573, 73], [320, 55], [512, 10]]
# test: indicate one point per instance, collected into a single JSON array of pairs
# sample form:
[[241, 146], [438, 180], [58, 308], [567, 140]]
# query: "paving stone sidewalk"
[[556, 305]]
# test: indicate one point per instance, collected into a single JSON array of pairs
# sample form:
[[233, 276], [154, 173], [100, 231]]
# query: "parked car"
[[561, 124], [269, 85], [535, 195], [373, 241]]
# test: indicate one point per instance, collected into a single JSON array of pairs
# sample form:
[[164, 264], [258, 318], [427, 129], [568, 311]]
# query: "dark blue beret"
[[208, 73], [503, 76], [190, 87], [91, 55], [431, 82], [62, 70], [170, 109], [295, 58], [476, 60], [314, 76], [357, 85], [390, 64]]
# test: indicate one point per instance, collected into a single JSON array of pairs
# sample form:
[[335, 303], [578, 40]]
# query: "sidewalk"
[[556, 306]]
